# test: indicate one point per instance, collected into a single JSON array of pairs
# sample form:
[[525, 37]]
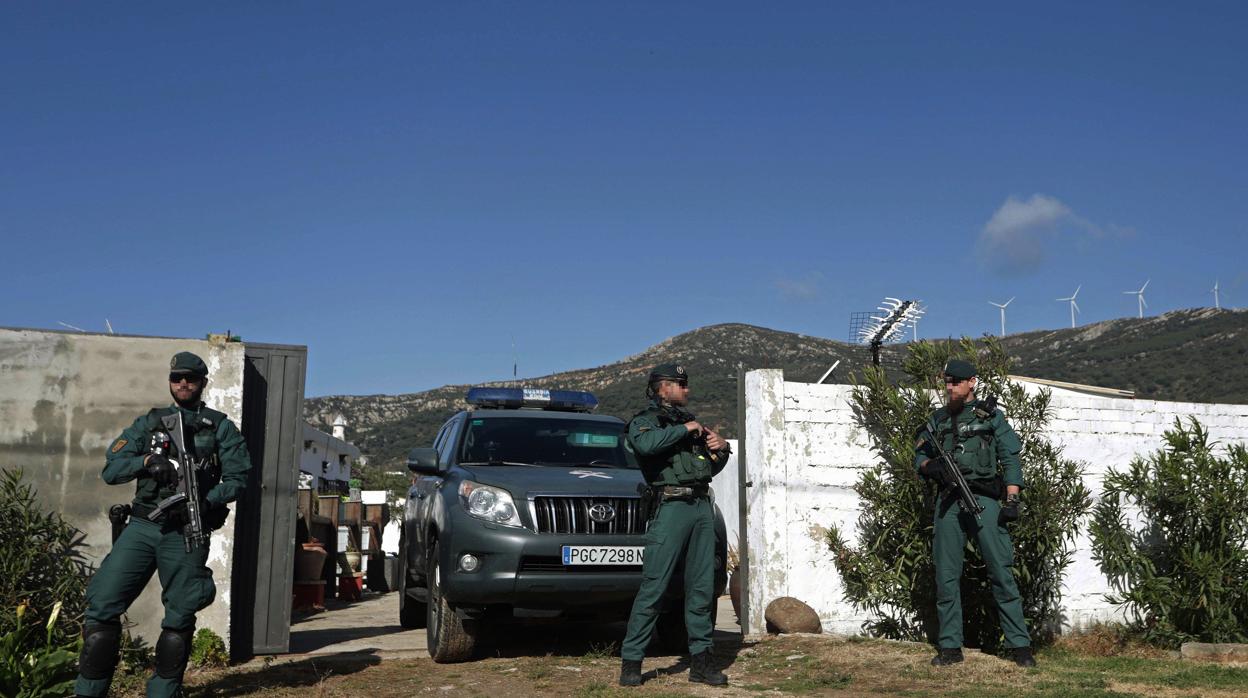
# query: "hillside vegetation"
[[1187, 355]]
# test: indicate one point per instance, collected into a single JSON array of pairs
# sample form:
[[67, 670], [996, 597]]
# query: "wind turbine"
[[1074, 307], [1140, 295], [1002, 307], [1217, 304]]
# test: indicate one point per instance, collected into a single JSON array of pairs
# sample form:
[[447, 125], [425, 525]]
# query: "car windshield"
[[537, 441]]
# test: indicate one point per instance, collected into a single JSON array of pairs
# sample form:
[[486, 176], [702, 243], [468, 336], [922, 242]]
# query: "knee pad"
[[173, 648], [100, 645]]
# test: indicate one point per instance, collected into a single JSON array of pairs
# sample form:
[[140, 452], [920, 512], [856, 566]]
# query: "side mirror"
[[423, 460]]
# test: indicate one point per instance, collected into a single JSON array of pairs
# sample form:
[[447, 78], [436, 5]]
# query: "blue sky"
[[406, 187]]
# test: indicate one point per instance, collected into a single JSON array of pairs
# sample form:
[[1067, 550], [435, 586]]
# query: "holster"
[[648, 501], [118, 516]]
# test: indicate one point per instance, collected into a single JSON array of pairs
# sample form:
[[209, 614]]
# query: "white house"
[[326, 459]]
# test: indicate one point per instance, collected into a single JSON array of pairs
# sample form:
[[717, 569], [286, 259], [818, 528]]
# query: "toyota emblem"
[[601, 513]]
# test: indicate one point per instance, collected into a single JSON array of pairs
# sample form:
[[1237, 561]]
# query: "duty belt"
[[683, 491]]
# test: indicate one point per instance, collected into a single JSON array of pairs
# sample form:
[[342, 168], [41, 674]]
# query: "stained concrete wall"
[[64, 398], [804, 453]]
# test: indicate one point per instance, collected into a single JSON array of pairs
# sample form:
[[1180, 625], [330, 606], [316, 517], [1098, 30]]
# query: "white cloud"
[[1017, 237], [800, 289]]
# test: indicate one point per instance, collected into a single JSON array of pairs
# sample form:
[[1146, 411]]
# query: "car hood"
[[523, 480]]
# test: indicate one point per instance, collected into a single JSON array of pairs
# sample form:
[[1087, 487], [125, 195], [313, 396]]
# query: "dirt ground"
[[569, 665]]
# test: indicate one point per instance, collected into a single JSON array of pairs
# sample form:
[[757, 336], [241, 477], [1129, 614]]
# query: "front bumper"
[[523, 569]]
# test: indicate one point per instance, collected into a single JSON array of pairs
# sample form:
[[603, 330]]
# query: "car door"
[[415, 512], [423, 495]]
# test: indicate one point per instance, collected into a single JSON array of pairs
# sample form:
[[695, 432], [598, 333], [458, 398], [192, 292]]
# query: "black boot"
[[947, 656], [1023, 658], [702, 670], [630, 672]]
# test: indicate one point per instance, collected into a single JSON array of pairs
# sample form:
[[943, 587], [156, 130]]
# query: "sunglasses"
[[180, 377], [950, 380]]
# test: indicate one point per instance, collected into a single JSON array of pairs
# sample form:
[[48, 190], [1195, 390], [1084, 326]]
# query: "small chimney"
[[340, 427]]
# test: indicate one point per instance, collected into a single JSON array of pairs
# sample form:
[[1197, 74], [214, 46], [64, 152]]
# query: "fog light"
[[468, 562]]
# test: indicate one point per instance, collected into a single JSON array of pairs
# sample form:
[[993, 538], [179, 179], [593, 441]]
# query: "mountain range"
[[1185, 355]]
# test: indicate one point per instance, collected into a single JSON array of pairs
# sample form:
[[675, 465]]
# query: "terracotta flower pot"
[[309, 561]]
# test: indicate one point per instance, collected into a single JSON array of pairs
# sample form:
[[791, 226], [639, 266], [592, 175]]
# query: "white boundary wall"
[[804, 453]]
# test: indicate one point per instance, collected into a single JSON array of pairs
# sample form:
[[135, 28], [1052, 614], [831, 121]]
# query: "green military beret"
[[186, 362], [669, 372], [957, 368]]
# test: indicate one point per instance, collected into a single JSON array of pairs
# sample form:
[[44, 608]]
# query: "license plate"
[[626, 555]]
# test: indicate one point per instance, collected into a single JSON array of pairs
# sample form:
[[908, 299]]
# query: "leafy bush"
[[890, 573], [208, 649], [34, 667], [1180, 570], [41, 564]]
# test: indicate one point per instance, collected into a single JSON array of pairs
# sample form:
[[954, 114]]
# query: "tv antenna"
[[1140, 295], [1074, 307], [1002, 307], [876, 330], [1217, 302]]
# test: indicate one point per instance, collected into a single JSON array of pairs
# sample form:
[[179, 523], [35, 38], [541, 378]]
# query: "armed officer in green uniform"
[[678, 458], [146, 546], [976, 436]]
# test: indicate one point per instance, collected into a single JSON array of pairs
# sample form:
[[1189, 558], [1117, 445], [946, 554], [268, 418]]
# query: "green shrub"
[[1180, 569], [36, 667], [41, 564], [208, 650], [890, 573]]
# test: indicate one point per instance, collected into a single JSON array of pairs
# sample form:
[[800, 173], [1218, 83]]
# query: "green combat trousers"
[[186, 588], [952, 529], [683, 529]]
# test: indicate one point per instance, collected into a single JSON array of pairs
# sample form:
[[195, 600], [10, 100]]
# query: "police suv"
[[526, 506]]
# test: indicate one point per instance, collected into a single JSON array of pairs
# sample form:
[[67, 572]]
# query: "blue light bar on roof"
[[514, 398]]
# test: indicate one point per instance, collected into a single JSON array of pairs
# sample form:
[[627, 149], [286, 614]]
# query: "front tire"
[[450, 638], [412, 613]]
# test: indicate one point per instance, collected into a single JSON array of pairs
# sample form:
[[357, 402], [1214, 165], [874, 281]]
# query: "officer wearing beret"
[[976, 436], [678, 458], [146, 546]]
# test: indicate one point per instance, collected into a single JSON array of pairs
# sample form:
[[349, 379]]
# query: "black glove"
[[1009, 510], [214, 515], [161, 470], [176, 518], [936, 471]]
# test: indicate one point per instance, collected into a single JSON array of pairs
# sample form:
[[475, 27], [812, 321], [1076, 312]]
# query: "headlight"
[[488, 503]]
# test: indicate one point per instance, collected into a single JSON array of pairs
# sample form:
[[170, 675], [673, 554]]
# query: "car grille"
[[572, 515]]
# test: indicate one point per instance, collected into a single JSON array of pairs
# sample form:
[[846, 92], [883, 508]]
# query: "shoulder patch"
[[119, 444]]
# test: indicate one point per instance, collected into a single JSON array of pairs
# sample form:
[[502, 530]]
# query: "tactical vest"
[[972, 443], [689, 463], [201, 441]]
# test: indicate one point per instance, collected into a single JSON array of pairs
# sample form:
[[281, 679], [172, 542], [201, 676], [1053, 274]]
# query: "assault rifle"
[[187, 495], [965, 497]]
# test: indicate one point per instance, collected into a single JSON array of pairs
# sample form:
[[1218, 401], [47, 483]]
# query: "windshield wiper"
[[496, 462]]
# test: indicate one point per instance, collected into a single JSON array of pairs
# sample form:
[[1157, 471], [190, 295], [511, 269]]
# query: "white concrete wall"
[[64, 397], [804, 453], [727, 496]]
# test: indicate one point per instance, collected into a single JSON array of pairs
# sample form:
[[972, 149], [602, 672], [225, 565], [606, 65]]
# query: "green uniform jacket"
[[977, 441], [667, 452], [214, 437]]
